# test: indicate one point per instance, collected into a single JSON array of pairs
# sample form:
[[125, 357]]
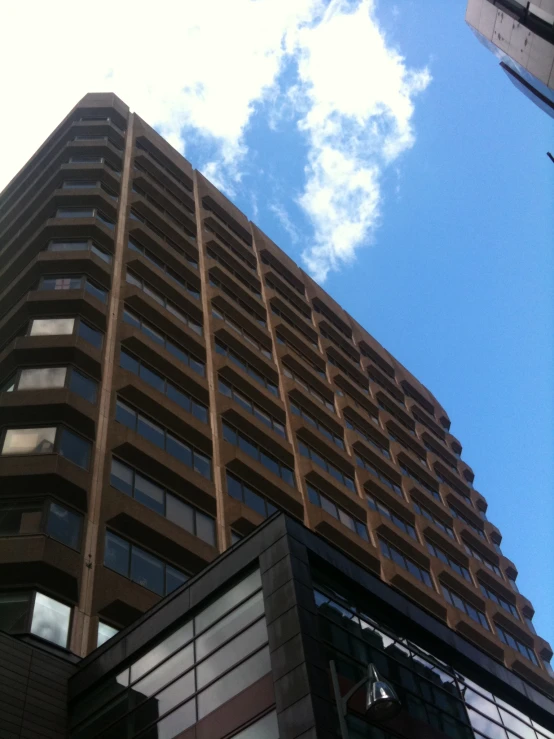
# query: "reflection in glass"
[[29, 441], [41, 377], [14, 610], [179, 637], [234, 682], [231, 653], [52, 326], [227, 601], [50, 620], [105, 632]]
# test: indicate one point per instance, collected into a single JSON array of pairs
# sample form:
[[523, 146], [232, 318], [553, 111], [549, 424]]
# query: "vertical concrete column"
[[211, 375], [81, 628], [302, 692]]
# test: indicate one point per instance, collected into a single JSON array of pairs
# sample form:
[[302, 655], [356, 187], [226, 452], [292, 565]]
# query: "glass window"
[[180, 513], [52, 326], [147, 570], [227, 601], [96, 291], [14, 612], [90, 334], [75, 213], [234, 682], [231, 653], [205, 528], [152, 658], [105, 632], [51, 620], [149, 494], [179, 450], [74, 448], [151, 431], [173, 579], [203, 465], [176, 722], [29, 441], [43, 377], [20, 517], [83, 386], [64, 525], [265, 728], [125, 415], [229, 625], [117, 554], [61, 283], [121, 477]]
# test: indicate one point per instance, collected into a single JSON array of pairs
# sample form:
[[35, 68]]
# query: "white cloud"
[[360, 94], [186, 65], [283, 217]]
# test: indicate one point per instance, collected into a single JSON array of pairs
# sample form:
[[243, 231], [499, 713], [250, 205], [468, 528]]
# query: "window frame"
[[44, 504], [69, 370], [32, 593], [77, 322], [59, 430]]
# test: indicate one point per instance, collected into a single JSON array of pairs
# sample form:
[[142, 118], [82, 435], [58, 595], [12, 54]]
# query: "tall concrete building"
[[169, 379], [521, 35]]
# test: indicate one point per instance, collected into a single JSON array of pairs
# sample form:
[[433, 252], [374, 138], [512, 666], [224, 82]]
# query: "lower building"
[[244, 650]]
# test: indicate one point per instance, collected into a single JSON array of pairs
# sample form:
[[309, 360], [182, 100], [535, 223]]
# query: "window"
[[231, 392], [312, 421], [246, 367], [84, 212], [385, 405], [194, 325], [298, 305], [244, 492], [364, 464], [105, 632], [214, 282], [64, 525], [344, 368], [230, 632], [435, 449], [216, 313], [460, 516], [405, 562], [499, 600], [426, 513], [23, 517], [192, 261], [175, 349], [160, 437], [402, 443], [141, 567], [463, 605], [36, 613], [311, 453], [384, 510], [322, 501], [511, 641], [163, 385], [309, 389], [447, 559], [407, 472], [264, 728], [316, 368], [79, 245], [129, 481], [355, 427], [453, 487], [134, 279], [257, 452], [66, 327], [219, 257], [296, 325], [46, 378], [47, 440]]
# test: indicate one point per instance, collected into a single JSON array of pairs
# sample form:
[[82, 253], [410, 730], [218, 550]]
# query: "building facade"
[[169, 378], [521, 35]]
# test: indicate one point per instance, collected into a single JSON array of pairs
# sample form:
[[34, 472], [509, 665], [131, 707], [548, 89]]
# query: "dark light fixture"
[[381, 701]]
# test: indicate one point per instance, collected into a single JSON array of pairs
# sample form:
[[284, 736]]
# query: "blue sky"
[[381, 146], [458, 283]]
